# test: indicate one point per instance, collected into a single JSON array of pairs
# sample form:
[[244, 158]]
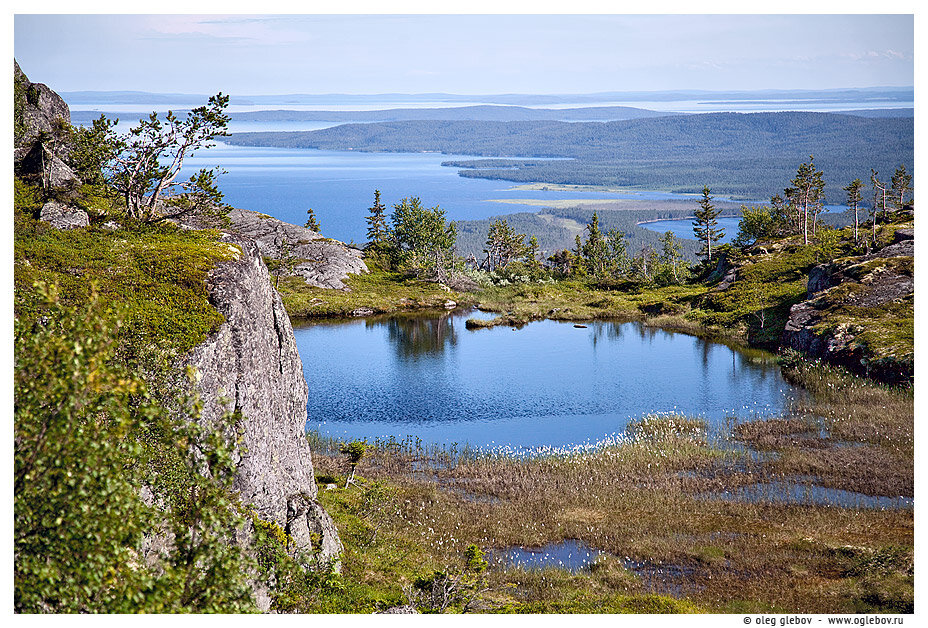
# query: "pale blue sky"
[[465, 54]]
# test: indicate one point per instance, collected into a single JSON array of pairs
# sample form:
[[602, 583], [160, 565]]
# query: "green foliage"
[[147, 161], [285, 262], [672, 269], [423, 241], [503, 244], [354, 451], [311, 222], [454, 588], [92, 150], [157, 273], [705, 225], [901, 182], [757, 223], [77, 514], [82, 430], [807, 194], [377, 231]]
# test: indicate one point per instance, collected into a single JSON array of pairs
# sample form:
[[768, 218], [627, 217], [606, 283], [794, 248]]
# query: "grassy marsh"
[[651, 498]]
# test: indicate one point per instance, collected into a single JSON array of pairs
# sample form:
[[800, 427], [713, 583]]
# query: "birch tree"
[[149, 159]]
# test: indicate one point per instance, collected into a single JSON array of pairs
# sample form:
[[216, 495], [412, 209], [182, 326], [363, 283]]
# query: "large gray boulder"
[[251, 364], [43, 111], [322, 262], [40, 136]]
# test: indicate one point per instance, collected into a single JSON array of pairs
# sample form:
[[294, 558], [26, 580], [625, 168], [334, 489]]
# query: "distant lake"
[[549, 383], [339, 185], [683, 227]]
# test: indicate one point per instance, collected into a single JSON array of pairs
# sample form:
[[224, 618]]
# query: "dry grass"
[[648, 499]]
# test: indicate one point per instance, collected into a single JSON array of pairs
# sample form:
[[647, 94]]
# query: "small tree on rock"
[[149, 159], [311, 223]]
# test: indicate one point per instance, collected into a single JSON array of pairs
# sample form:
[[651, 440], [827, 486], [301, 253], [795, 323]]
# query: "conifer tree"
[[853, 201], [901, 182], [809, 193], [879, 199], [706, 226], [594, 251], [618, 251], [311, 222], [503, 244], [377, 231], [671, 253], [531, 252]]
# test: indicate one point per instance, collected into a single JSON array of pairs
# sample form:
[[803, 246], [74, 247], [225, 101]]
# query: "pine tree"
[[531, 252], [901, 182], [377, 231], [503, 244], [809, 190], [853, 201], [311, 222], [594, 251], [671, 253], [879, 199], [706, 227], [618, 251]]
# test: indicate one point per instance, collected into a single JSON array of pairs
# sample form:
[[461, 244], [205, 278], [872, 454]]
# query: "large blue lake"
[[339, 186], [547, 384]]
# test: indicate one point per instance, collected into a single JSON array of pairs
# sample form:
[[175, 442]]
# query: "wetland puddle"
[[796, 492]]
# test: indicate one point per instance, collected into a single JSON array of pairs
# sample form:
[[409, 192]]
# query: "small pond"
[[570, 554], [548, 384]]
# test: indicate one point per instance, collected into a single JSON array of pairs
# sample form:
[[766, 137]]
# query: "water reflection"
[[414, 336], [548, 383]]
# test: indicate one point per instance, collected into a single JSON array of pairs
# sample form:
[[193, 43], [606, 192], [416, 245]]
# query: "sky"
[[462, 54]]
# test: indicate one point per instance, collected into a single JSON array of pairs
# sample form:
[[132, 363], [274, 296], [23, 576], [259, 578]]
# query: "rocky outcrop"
[[859, 313], [41, 118], [251, 365], [321, 262]]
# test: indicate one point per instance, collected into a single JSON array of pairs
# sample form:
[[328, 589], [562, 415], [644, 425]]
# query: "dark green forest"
[[744, 156]]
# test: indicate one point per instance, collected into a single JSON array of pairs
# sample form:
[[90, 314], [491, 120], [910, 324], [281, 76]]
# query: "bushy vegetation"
[[155, 273], [101, 465]]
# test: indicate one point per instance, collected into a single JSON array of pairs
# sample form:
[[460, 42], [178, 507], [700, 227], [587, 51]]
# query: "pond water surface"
[[548, 384]]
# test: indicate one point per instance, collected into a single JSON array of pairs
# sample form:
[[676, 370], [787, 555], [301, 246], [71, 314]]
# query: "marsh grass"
[[644, 498]]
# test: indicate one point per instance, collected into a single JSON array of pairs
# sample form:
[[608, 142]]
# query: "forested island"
[[745, 156]]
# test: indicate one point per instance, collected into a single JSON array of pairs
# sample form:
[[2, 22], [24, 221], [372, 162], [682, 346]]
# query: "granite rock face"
[[853, 306], [251, 365], [43, 108], [44, 114], [322, 262]]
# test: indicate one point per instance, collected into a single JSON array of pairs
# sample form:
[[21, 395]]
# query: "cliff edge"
[[251, 364]]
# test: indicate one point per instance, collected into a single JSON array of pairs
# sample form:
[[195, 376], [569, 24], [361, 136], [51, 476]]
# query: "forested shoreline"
[[744, 156]]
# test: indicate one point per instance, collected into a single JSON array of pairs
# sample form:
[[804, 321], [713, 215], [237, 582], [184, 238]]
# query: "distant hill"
[[476, 112], [746, 156]]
